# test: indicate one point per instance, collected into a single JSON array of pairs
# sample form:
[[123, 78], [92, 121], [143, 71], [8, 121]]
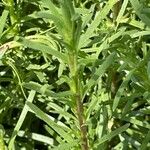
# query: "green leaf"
[[10, 63], [61, 111], [3, 49], [148, 70], [121, 12], [128, 105], [65, 146], [36, 137], [145, 141], [135, 121], [58, 20], [133, 22], [40, 76], [121, 90], [52, 132], [2, 144], [45, 90], [139, 34], [77, 32], [131, 140], [103, 46], [94, 102], [51, 6], [66, 13], [3, 21], [100, 16], [21, 119], [99, 72], [5, 104], [43, 48], [117, 35], [43, 116], [61, 69], [112, 134], [102, 128], [138, 7]]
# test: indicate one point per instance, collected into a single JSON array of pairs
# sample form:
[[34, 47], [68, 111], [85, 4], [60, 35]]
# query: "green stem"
[[83, 128], [75, 88]]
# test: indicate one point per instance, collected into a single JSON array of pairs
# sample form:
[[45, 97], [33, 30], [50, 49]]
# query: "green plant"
[[75, 75]]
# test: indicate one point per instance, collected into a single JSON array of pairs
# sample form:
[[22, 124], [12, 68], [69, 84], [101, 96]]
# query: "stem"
[[75, 88], [83, 128]]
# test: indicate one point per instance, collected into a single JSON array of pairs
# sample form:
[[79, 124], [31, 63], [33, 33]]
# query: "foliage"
[[74, 74]]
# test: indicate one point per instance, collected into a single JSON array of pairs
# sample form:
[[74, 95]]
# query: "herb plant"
[[74, 74]]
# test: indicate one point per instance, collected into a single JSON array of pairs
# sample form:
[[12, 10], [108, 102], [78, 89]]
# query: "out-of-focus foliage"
[[66, 65]]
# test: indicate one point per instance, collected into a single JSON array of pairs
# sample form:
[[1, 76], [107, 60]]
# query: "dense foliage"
[[74, 74]]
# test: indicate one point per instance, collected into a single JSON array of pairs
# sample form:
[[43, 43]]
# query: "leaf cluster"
[[74, 71]]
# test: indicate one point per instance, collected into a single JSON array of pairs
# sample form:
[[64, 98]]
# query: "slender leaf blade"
[[43, 48], [101, 15], [40, 114], [3, 21], [21, 119], [145, 141], [121, 89], [112, 134], [100, 71]]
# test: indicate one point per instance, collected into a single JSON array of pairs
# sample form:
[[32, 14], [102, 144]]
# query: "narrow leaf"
[[51, 6], [138, 7], [122, 10], [145, 141], [100, 71], [43, 48], [3, 21], [135, 121], [61, 111], [114, 133], [121, 90], [36, 137], [65, 146], [45, 90], [138, 34], [2, 144], [21, 119], [101, 15], [40, 114]]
